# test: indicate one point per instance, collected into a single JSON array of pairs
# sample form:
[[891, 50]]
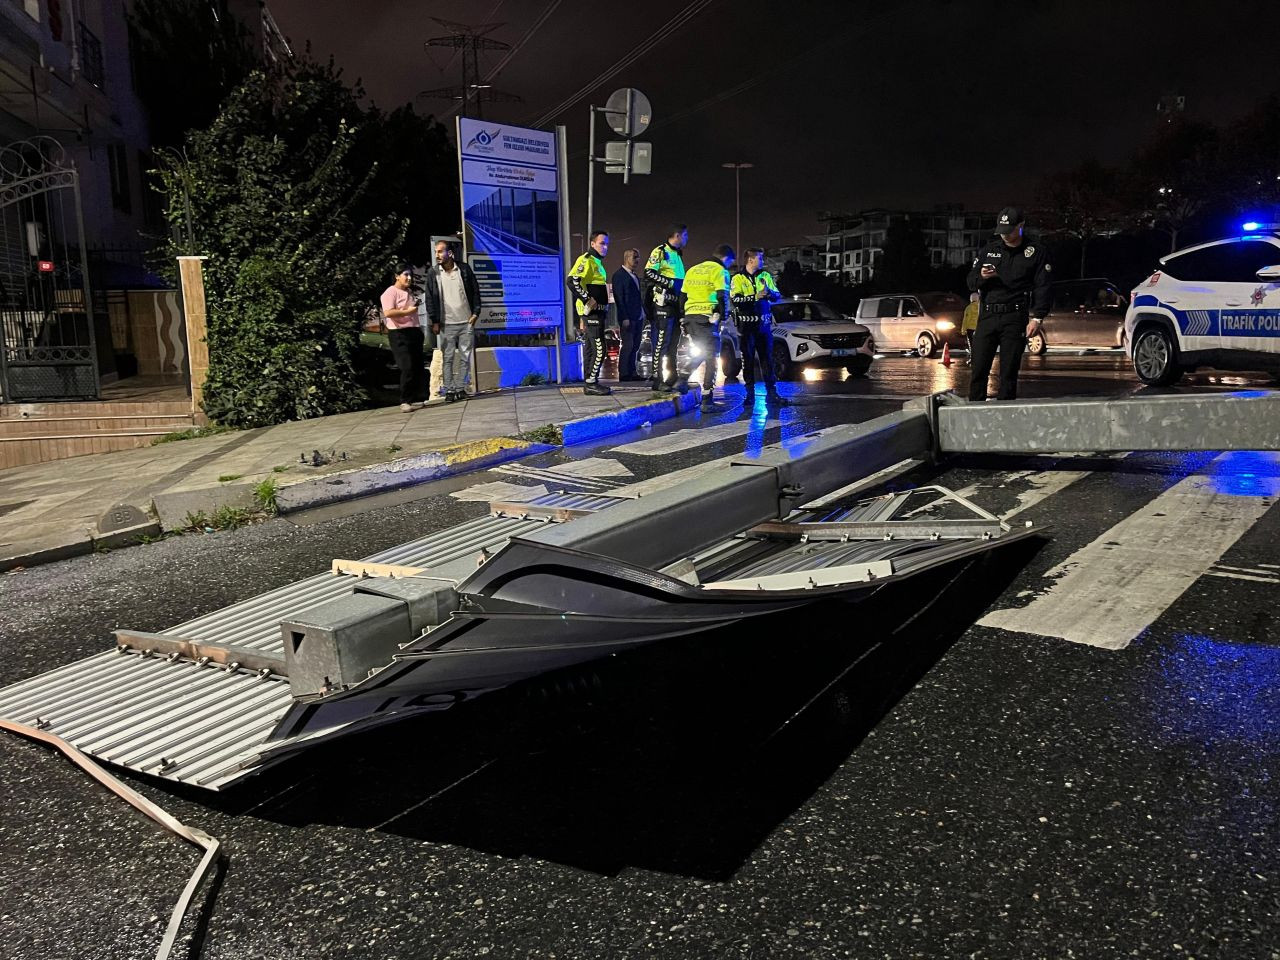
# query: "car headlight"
[[945, 325]]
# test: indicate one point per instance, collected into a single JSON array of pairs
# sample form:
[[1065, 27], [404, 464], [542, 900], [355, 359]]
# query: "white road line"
[[1253, 570], [498, 490], [1270, 566], [553, 476], [688, 439], [1109, 591], [1241, 576], [593, 467]]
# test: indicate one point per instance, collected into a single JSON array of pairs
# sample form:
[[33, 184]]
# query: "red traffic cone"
[[946, 354]]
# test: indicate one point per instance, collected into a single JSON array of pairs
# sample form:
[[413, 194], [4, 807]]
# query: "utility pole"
[[469, 41], [737, 168]]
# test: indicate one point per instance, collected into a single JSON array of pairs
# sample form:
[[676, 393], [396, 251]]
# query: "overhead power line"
[[690, 11], [497, 68]]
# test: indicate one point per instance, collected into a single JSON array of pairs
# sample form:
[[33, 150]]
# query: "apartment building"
[[854, 243]]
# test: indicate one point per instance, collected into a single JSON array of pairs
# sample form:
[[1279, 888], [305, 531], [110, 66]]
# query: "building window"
[[91, 57], [118, 162], [937, 256]]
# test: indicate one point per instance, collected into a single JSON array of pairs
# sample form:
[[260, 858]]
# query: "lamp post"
[[737, 168]]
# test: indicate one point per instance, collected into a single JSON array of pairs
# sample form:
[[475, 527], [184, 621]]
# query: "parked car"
[[1216, 304], [808, 333], [1083, 313], [914, 321]]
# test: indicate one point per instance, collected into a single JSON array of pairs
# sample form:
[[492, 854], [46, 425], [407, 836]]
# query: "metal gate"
[[47, 343]]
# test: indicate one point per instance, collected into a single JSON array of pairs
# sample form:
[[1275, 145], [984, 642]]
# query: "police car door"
[[1250, 317]]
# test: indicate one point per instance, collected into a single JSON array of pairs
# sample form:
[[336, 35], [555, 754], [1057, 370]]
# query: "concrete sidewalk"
[[65, 507]]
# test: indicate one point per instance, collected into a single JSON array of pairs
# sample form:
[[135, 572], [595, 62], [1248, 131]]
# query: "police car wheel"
[[783, 368], [1154, 358], [730, 362], [1036, 345], [925, 346]]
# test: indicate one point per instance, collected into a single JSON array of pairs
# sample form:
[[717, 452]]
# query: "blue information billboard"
[[511, 215]]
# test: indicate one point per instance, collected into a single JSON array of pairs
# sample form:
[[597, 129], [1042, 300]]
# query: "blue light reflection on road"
[[1246, 473], [1219, 693]]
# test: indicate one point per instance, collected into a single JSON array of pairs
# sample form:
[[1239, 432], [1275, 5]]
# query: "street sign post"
[[629, 113]]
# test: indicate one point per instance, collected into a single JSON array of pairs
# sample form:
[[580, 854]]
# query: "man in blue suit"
[[629, 304]]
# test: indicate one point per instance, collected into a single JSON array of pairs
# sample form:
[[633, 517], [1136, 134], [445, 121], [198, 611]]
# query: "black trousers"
[[704, 336], [756, 334], [664, 334], [1006, 332], [630, 331], [406, 347], [593, 331]]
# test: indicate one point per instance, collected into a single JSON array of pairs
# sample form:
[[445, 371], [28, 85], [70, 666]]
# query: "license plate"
[[842, 353]]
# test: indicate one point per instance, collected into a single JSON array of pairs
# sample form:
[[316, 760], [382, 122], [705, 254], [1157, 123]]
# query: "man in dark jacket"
[[1012, 275], [629, 303], [453, 301]]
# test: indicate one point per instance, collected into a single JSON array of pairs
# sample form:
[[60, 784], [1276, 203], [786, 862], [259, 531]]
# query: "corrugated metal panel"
[[254, 624], [167, 717]]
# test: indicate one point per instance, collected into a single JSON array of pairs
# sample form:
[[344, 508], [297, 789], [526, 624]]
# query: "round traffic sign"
[[628, 123]]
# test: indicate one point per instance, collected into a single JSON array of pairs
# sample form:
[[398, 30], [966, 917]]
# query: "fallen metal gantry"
[[568, 578]]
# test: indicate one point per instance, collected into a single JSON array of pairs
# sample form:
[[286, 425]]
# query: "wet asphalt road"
[[959, 791]]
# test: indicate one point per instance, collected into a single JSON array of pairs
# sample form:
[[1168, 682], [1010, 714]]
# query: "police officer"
[[588, 283], [1012, 276], [753, 294], [664, 274], [706, 290]]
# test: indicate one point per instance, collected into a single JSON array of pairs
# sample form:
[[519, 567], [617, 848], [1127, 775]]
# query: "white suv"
[[1215, 304]]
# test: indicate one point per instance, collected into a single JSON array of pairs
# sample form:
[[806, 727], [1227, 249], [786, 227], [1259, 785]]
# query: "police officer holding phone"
[[1011, 275]]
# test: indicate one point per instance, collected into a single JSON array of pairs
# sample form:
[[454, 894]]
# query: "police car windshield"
[[811, 310]]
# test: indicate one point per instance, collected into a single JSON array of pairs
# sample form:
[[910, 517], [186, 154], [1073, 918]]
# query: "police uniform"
[[706, 290], [664, 274], [754, 318], [1018, 290], [588, 281]]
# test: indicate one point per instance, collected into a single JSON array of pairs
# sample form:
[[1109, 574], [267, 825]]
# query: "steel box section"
[[831, 459], [336, 645], [653, 530], [1245, 420]]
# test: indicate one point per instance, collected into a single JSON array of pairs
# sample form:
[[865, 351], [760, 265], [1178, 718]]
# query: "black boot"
[[596, 389]]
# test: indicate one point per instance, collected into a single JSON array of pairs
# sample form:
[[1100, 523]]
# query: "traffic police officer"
[[588, 283], [706, 289], [664, 273], [753, 294], [1012, 276]]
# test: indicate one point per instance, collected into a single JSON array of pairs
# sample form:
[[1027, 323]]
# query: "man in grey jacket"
[[453, 298]]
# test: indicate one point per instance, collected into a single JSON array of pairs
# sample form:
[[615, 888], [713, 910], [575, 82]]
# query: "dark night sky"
[[854, 104]]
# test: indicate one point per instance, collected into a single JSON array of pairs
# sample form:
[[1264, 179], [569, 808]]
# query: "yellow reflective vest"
[[664, 272], [588, 280], [706, 288], [744, 293]]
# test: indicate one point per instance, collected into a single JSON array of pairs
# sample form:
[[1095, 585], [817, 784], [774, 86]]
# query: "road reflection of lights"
[[1246, 473], [1214, 692]]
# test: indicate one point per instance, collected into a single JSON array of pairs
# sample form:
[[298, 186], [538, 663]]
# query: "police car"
[[1212, 305]]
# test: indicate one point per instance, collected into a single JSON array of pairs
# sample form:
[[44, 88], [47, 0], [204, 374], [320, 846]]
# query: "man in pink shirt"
[[404, 332]]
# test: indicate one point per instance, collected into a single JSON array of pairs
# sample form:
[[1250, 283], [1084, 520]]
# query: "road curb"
[[171, 508], [78, 545], [620, 421]]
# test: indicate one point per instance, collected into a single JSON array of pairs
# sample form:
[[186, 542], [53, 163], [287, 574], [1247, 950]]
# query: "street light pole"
[[737, 168]]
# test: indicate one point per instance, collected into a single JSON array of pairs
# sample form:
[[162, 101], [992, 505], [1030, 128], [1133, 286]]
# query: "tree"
[[1177, 176], [269, 195], [1083, 203], [1250, 162], [187, 56], [904, 264]]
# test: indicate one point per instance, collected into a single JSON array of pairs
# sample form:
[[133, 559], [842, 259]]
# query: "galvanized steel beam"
[[1245, 420]]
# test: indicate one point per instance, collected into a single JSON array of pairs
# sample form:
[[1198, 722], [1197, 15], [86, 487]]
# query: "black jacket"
[[1022, 272], [435, 304], [626, 296]]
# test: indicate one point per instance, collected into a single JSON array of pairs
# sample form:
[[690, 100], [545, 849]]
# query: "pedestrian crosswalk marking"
[[1109, 591], [499, 490], [690, 438]]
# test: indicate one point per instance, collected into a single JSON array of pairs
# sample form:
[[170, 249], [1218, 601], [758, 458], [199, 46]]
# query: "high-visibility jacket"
[[588, 280], [744, 292], [664, 272], [706, 288]]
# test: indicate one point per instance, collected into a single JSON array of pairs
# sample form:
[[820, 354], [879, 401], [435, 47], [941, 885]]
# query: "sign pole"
[[626, 163], [591, 176], [562, 166]]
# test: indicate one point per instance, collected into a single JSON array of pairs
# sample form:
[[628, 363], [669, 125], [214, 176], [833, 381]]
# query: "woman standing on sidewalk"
[[404, 333]]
